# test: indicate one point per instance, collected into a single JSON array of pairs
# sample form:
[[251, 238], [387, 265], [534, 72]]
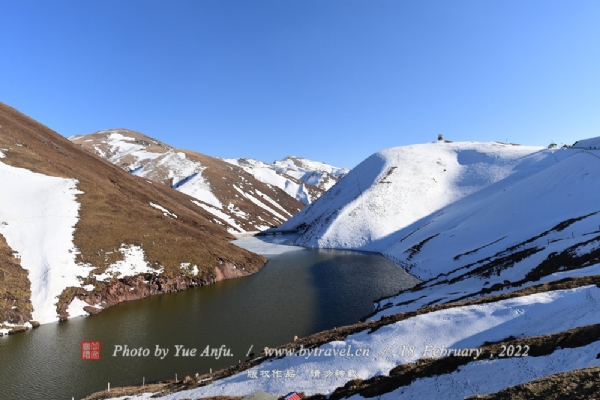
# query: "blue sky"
[[332, 81]]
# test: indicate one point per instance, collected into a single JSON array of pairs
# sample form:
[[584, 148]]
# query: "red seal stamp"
[[90, 350]]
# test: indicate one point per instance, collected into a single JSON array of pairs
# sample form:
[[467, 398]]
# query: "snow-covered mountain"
[[236, 199], [78, 234], [396, 187], [315, 173], [506, 241], [301, 178], [463, 217]]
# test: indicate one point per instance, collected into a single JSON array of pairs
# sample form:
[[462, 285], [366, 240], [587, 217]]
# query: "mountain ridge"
[[96, 229], [236, 200]]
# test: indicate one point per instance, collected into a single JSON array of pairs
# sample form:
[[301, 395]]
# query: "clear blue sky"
[[333, 81]]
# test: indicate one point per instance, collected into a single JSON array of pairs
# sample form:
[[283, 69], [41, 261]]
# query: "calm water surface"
[[297, 293]]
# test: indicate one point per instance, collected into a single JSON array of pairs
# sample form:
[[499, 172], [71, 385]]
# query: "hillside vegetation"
[[95, 227]]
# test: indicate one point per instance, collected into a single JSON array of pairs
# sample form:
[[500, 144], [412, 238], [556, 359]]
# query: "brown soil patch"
[[128, 391], [15, 292], [581, 384], [222, 177]]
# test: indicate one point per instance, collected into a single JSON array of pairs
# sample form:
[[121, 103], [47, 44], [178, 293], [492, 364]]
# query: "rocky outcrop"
[[144, 285]]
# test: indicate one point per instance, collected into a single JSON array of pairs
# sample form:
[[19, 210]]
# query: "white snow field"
[[590, 144], [291, 173], [491, 203], [396, 187], [38, 214]]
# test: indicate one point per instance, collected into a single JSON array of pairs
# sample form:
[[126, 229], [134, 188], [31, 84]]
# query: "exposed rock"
[[144, 285]]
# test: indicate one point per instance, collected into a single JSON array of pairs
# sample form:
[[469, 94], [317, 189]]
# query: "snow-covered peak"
[[301, 178], [235, 198], [591, 143], [304, 164], [128, 149], [315, 173], [395, 187]]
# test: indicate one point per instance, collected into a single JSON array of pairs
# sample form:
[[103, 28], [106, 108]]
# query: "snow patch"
[[164, 210], [186, 268], [270, 200], [38, 214], [259, 203], [592, 143], [133, 263], [490, 376], [75, 309], [118, 136], [221, 215], [196, 186]]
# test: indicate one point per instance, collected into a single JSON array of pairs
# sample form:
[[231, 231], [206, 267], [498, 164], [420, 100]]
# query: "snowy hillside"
[[396, 187], [235, 198], [463, 217], [506, 240], [590, 144], [78, 234], [315, 173], [301, 178], [38, 214]]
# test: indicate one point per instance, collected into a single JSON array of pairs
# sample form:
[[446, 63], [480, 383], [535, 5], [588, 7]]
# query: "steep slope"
[[235, 198], [316, 173], [507, 243], [78, 232], [301, 178], [396, 187]]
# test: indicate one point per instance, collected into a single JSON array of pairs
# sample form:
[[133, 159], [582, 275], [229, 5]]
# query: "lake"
[[299, 292]]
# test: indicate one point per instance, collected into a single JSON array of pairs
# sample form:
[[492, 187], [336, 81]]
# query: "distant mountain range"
[[242, 194], [301, 178]]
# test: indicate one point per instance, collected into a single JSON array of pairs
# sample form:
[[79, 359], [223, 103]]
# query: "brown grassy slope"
[[14, 288], [115, 206], [581, 384], [221, 176], [93, 143]]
